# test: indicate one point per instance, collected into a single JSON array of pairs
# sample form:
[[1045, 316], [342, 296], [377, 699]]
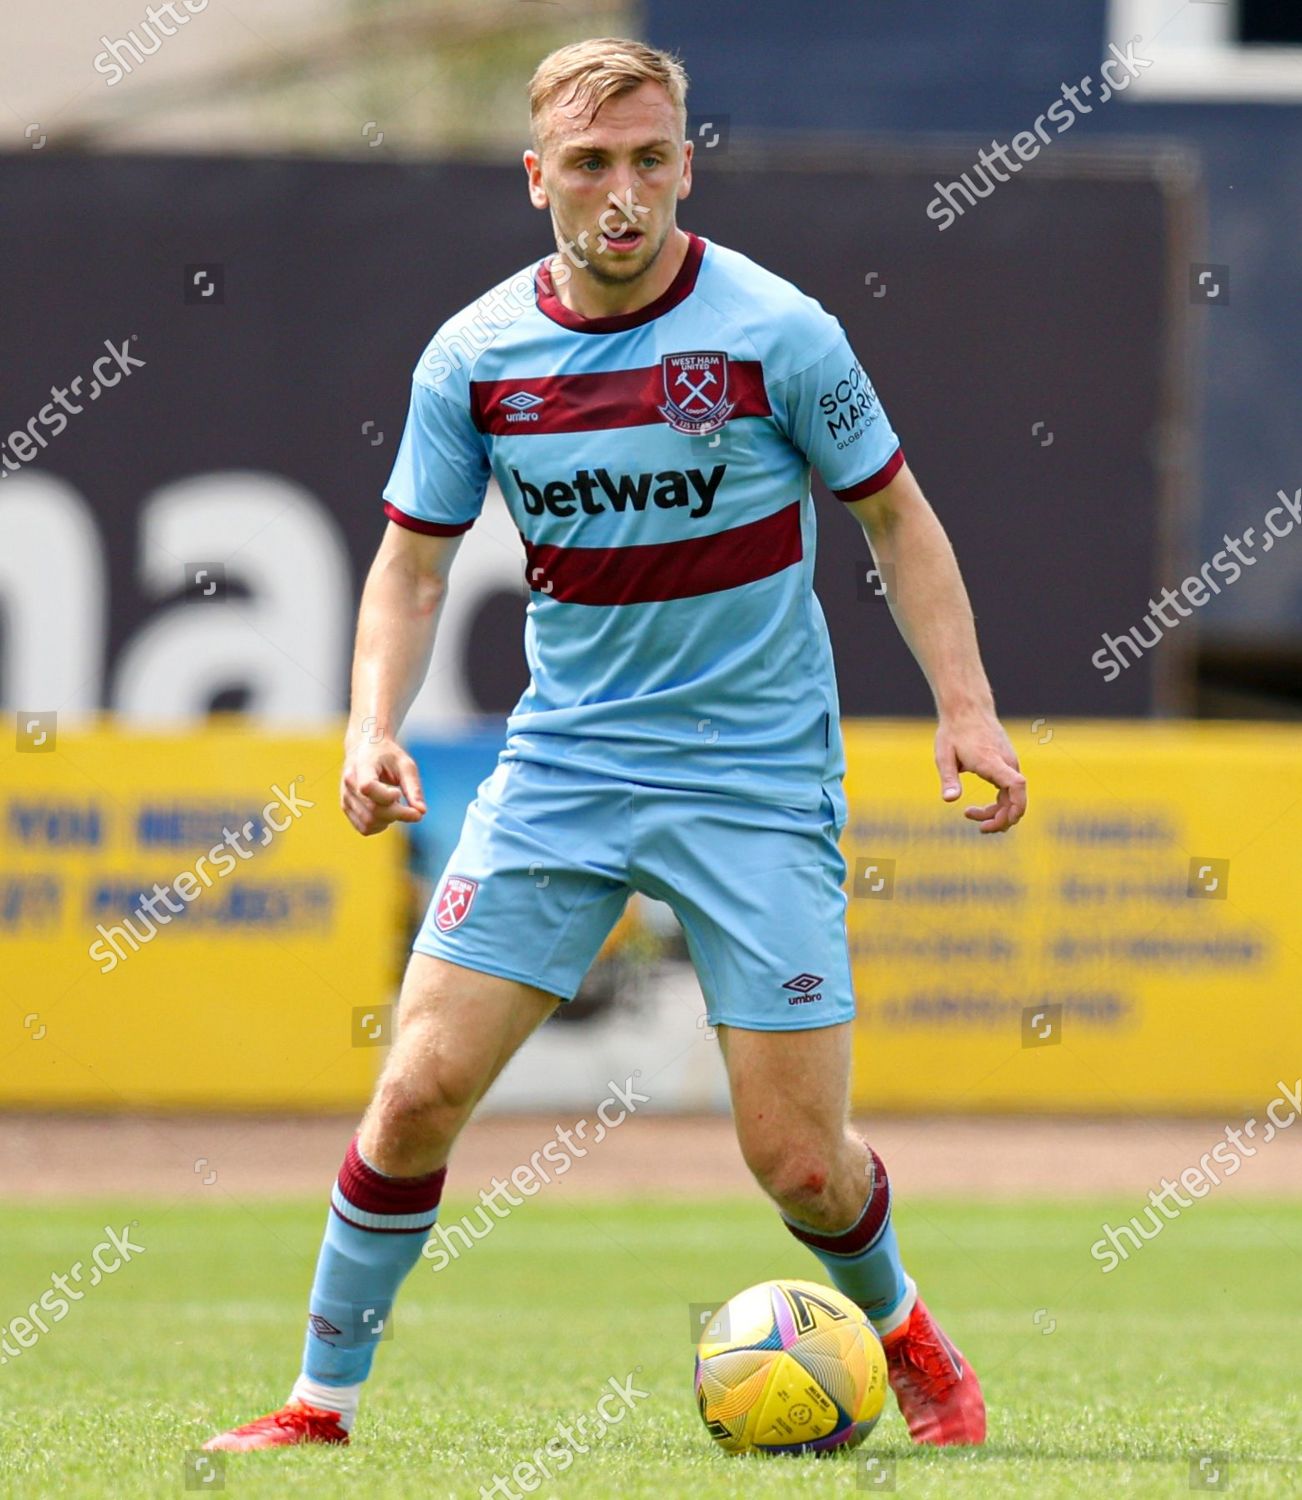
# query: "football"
[[790, 1367]]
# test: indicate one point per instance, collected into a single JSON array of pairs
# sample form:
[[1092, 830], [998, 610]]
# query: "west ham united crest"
[[696, 392], [454, 902]]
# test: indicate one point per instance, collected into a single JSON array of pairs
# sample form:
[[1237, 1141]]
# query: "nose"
[[624, 194]]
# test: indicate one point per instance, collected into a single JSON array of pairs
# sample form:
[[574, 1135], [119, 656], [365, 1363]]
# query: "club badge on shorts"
[[454, 903], [696, 392]]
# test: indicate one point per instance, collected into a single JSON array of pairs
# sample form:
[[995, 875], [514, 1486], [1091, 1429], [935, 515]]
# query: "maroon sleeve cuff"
[[426, 528], [874, 482]]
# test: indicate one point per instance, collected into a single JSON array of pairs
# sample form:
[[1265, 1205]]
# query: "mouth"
[[626, 243]]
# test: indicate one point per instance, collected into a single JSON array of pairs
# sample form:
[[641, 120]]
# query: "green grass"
[[1188, 1348]]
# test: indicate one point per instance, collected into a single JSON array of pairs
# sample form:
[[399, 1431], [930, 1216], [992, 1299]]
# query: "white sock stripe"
[[354, 1215]]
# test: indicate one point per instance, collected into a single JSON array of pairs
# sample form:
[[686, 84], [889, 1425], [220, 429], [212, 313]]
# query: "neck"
[[582, 293]]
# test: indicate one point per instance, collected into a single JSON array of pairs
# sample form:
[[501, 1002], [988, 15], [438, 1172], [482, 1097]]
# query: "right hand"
[[377, 778]]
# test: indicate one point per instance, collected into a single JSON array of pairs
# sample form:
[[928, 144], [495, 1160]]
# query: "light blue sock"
[[358, 1274], [863, 1261], [374, 1234]]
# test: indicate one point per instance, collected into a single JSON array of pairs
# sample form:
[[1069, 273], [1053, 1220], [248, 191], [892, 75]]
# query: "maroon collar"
[[681, 286]]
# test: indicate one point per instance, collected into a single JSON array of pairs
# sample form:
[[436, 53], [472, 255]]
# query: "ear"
[[685, 181], [533, 169]]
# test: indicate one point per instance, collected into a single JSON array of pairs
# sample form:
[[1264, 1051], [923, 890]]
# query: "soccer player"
[[651, 406]]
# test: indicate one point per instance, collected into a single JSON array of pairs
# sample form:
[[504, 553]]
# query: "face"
[[612, 183]]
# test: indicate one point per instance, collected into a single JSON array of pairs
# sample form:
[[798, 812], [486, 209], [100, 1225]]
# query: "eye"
[[650, 162], [591, 162]]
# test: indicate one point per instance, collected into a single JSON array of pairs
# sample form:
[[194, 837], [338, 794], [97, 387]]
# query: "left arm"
[[926, 596]]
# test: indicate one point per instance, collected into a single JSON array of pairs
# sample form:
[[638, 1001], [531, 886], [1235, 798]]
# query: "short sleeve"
[[831, 413], [441, 473]]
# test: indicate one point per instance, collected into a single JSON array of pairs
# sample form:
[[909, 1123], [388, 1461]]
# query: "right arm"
[[399, 614]]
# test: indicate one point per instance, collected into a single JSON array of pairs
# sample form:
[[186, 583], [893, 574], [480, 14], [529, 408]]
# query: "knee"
[[424, 1094], [798, 1176]]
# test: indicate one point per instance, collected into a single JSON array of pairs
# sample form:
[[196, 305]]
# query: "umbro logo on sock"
[[323, 1327]]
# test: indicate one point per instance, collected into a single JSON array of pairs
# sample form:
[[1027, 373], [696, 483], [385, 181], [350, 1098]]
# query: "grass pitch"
[[1177, 1371]]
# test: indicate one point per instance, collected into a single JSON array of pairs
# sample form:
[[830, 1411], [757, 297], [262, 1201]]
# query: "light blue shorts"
[[548, 855]]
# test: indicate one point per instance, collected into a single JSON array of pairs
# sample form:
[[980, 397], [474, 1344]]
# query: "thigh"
[[797, 1084], [790, 1105], [457, 1029], [537, 879], [758, 890], [465, 1024]]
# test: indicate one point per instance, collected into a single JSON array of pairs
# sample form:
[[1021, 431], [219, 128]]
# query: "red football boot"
[[937, 1389], [296, 1422]]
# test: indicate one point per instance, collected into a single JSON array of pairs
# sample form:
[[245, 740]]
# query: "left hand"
[[977, 743]]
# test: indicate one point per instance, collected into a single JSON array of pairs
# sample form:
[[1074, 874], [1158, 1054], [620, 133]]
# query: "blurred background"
[[226, 238]]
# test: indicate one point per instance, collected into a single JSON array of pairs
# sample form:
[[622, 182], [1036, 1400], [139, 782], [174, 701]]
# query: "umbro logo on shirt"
[[595, 490], [522, 405]]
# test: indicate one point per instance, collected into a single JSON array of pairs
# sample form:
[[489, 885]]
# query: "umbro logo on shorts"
[[454, 903], [322, 1327], [803, 984]]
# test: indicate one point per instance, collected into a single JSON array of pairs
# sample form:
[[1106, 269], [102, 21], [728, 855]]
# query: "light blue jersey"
[[657, 465]]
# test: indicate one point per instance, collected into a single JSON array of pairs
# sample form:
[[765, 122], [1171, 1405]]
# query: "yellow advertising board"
[[1135, 944], [188, 921]]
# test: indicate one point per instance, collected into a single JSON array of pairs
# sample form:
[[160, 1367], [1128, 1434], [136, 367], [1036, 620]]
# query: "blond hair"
[[589, 73]]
